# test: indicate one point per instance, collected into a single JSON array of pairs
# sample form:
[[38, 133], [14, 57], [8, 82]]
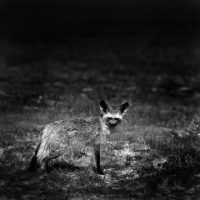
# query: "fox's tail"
[[34, 164]]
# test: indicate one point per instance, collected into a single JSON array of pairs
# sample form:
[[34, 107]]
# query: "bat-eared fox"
[[66, 140]]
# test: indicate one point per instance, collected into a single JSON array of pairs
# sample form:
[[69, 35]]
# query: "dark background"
[[145, 51], [52, 19]]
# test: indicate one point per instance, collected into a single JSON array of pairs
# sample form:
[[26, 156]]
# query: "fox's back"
[[79, 130]]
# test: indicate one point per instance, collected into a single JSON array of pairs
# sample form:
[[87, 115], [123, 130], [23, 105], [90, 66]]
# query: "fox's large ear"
[[104, 107], [123, 108]]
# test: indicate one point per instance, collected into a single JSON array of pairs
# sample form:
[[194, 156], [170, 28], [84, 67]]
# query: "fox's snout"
[[113, 122]]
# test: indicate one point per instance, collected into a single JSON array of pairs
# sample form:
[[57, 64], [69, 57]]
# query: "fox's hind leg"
[[59, 162]]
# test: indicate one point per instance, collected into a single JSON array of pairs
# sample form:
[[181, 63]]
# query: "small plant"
[[171, 167]]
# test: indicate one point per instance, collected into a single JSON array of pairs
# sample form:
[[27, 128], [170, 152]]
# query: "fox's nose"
[[113, 122]]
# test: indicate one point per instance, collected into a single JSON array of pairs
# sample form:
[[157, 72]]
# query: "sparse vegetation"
[[157, 155]]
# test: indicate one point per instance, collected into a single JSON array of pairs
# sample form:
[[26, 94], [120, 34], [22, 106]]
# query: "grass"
[[157, 154], [158, 163]]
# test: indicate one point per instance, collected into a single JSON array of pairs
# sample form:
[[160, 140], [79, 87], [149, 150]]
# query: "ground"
[[156, 156]]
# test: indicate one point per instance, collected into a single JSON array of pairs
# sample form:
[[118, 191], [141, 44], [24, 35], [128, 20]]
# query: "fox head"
[[112, 117]]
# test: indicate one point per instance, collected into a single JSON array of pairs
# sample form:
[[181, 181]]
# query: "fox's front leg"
[[96, 159]]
